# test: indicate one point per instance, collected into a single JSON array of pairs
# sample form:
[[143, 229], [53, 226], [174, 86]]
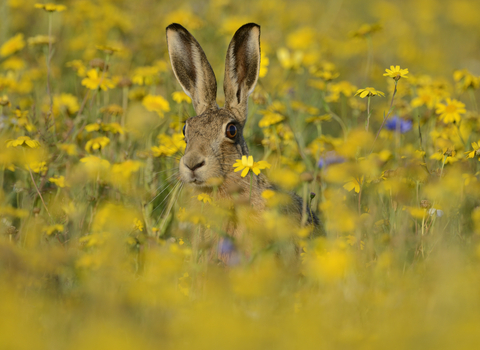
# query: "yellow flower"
[[23, 141], [109, 50], [78, 66], [112, 109], [4, 101], [97, 143], [138, 224], [95, 163], [40, 40], [447, 155], [203, 197], [13, 63], [70, 148], [426, 97], [54, 228], [127, 167], [264, 62], [248, 164], [369, 91], [65, 103], [270, 118], [353, 184], [51, 7], [450, 112], [365, 30], [318, 119], [466, 79], [475, 152], [58, 180], [156, 104], [93, 81], [12, 45], [38, 167], [180, 96], [396, 73], [289, 60], [145, 75]]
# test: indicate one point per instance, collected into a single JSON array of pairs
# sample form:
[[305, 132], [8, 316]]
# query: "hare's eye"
[[231, 131], [184, 129]]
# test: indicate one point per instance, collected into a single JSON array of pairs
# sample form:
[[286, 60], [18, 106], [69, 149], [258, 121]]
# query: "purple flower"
[[330, 158], [397, 122], [226, 246]]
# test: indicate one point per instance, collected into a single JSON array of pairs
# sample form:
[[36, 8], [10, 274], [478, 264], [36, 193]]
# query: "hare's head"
[[214, 136]]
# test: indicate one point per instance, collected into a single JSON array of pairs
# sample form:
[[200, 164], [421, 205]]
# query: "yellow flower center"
[[450, 108]]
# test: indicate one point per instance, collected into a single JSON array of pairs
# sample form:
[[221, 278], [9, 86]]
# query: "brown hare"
[[214, 136]]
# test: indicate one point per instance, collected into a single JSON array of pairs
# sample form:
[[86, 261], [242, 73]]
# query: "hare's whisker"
[[168, 195], [164, 189]]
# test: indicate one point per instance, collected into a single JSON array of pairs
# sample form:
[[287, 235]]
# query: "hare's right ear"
[[191, 68], [241, 69]]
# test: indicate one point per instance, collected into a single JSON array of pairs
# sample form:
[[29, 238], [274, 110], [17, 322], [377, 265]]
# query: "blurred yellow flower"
[[4, 101], [365, 30], [169, 145], [127, 167], [156, 104], [65, 103], [94, 81], [112, 109], [40, 40], [93, 162], [53, 228], [49, 7], [70, 148], [353, 184], [78, 66], [180, 96], [38, 167], [369, 91], [319, 119], [450, 111], [96, 143], [58, 180], [289, 60], [204, 197], [109, 50], [475, 152], [465, 79], [425, 97], [147, 75], [270, 118], [138, 224], [264, 63], [396, 73], [302, 38], [248, 164], [25, 141], [12, 45], [13, 63]]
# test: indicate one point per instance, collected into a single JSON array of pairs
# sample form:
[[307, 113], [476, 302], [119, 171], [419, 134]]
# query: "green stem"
[[472, 97], [251, 185], [385, 117], [368, 114]]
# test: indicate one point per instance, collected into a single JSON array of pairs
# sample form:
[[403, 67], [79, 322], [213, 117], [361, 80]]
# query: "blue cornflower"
[[330, 158], [402, 124]]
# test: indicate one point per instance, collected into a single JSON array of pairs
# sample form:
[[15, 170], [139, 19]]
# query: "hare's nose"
[[194, 164]]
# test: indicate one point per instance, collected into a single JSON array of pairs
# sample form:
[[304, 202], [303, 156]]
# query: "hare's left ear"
[[241, 69]]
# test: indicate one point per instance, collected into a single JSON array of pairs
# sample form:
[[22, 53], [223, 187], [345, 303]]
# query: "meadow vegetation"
[[367, 110]]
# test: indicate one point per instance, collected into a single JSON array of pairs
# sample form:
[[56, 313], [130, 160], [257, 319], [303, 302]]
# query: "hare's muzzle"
[[193, 168]]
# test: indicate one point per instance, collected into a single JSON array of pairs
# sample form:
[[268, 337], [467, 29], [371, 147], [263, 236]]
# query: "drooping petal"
[[245, 172]]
